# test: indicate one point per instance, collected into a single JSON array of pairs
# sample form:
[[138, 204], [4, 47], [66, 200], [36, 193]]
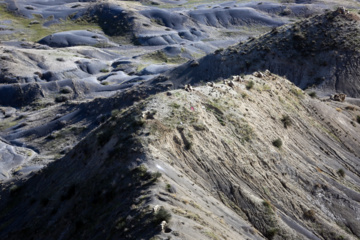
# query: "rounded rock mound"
[[75, 38]]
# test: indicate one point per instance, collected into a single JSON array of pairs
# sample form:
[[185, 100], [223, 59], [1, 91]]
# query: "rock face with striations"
[[259, 159]]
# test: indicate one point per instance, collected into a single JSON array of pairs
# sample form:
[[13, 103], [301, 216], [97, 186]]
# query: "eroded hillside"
[[321, 51], [260, 159]]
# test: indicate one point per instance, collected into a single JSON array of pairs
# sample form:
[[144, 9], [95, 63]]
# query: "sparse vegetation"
[[161, 57], [310, 215], [268, 206], [5, 124], [174, 105], [226, 136], [158, 21], [341, 172], [277, 143], [250, 85], [35, 32], [297, 92], [211, 235], [242, 129], [218, 113], [156, 176], [271, 233], [312, 94], [161, 215], [61, 98], [104, 70], [286, 120]]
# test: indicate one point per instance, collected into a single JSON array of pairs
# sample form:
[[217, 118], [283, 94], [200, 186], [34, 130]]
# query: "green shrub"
[[286, 121], [341, 172], [60, 99], [104, 70], [312, 94], [358, 119], [168, 187], [277, 143], [270, 234], [161, 215], [268, 206], [297, 92], [188, 145], [250, 85], [156, 176], [175, 105], [310, 215]]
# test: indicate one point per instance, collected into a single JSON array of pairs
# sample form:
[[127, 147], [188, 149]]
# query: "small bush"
[[297, 92], [270, 234], [188, 145], [269, 207], [358, 119], [59, 99], [312, 94], [250, 85], [156, 176], [104, 70], [310, 215], [168, 187], [341, 172], [277, 143], [175, 105], [286, 120], [161, 215]]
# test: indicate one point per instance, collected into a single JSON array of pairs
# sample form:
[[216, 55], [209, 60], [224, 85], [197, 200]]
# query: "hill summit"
[[321, 51]]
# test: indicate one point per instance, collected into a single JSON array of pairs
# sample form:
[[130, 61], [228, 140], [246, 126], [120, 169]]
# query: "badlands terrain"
[[179, 119]]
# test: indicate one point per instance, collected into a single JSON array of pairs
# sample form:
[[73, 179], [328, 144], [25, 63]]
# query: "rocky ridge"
[[212, 158], [320, 52]]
